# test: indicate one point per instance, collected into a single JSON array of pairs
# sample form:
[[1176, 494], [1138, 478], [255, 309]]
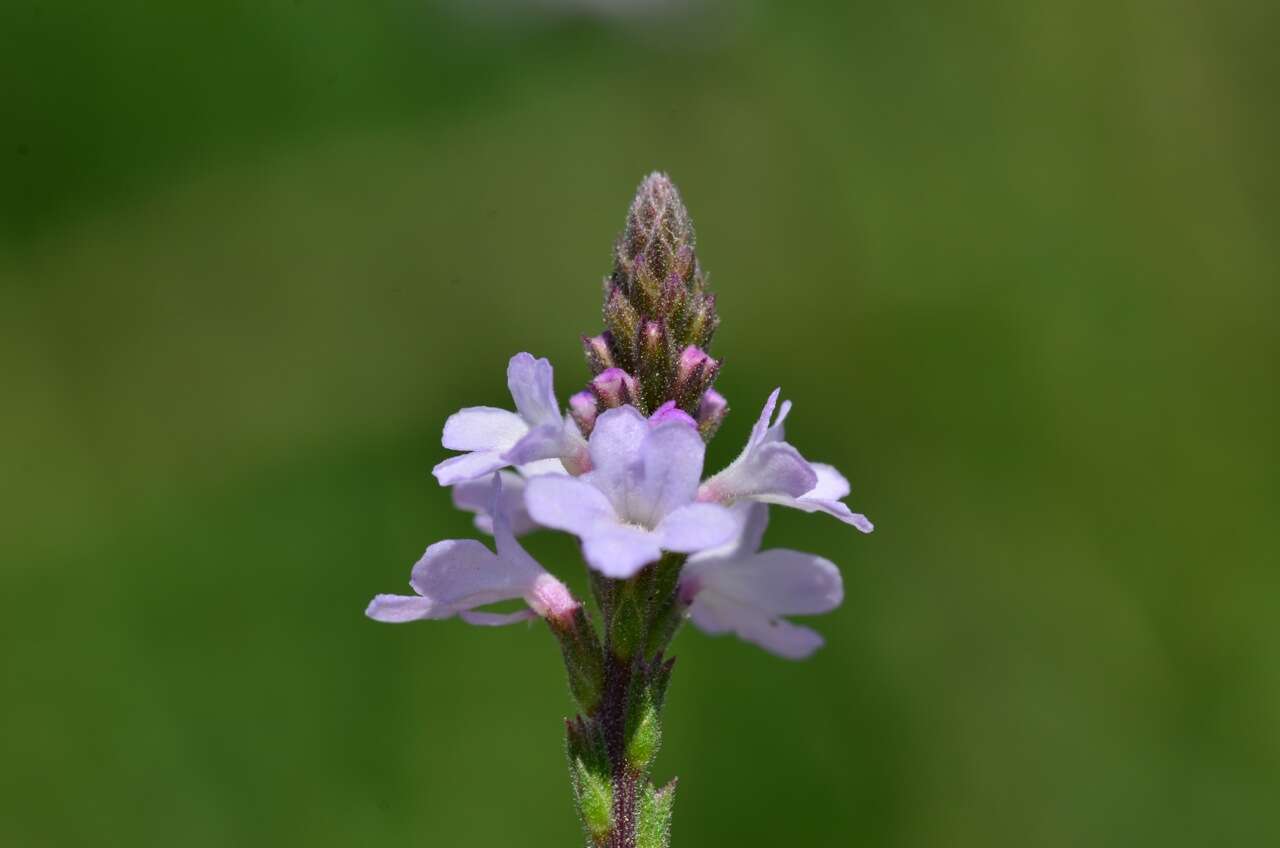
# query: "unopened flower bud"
[[614, 387], [655, 363], [623, 321], [693, 360], [599, 351], [711, 412], [584, 407], [672, 300], [686, 261], [702, 322], [646, 282], [695, 372], [658, 224]]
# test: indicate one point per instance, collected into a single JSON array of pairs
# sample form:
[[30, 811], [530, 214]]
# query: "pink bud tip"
[[583, 407], [614, 387], [695, 366], [712, 405], [599, 350], [598, 346], [712, 408]]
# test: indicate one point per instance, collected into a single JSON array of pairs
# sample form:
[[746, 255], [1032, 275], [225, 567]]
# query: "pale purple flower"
[[457, 576], [740, 589], [638, 499], [496, 438], [475, 496], [770, 470]]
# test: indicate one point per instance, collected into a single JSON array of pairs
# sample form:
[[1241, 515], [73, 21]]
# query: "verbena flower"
[[496, 438], [769, 470], [475, 496], [621, 470], [638, 499], [746, 591], [458, 576]]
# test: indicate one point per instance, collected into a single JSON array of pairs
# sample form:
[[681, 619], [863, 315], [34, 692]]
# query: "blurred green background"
[[1015, 263]]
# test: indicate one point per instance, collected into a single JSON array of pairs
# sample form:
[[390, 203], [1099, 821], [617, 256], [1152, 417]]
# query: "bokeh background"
[[1015, 263]]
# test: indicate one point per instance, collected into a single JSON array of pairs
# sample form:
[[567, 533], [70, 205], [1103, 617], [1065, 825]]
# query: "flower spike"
[[621, 469]]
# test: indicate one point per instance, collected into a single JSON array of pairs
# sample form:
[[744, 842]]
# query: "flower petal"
[[713, 615], [615, 448], [482, 428], [772, 468], [782, 638], [832, 485], [496, 619], [616, 439], [748, 597], [542, 466], [668, 412], [468, 466], [751, 517], [830, 507], [620, 550], [542, 442], [476, 495], [513, 556], [530, 382], [575, 455], [826, 497], [568, 503], [761, 427], [766, 466], [671, 456], [777, 582], [462, 574], [776, 433], [697, 527], [456, 576], [395, 609]]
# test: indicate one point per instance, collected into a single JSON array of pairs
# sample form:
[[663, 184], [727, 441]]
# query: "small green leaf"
[[595, 801], [645, 738], [653, 818], [627, 629], [583, 659]]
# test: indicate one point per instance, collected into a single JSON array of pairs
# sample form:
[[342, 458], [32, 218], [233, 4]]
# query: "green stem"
[[613, 744]]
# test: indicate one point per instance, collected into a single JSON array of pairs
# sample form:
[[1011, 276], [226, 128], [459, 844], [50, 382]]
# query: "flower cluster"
[[636, 493], [621, 468]]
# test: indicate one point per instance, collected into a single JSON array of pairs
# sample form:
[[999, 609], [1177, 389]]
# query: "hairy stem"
[[620, 683], [613, 720]]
